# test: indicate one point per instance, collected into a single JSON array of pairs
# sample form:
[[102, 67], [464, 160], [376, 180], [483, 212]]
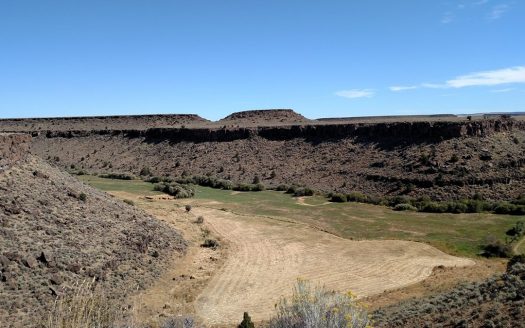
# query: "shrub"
[[496, 248], [177, 322], [246, 322], [281, 187], [82, 197], [210, 243], [187, 208], [258, 187], [200, 220], [320, 308], [516, 259], [291, 190], [129, 202], [356, 197], [405, 207], [303, 191], [338, 198], [145, 171], [118, 176], [242, 187], [176, 190]]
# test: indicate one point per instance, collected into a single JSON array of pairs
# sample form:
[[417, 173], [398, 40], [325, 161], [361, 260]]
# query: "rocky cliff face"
[[13, 147], [407, 132]]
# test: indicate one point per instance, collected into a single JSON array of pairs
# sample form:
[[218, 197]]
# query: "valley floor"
[[261, 257]]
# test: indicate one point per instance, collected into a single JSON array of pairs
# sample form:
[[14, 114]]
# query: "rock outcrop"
[[13, 147]]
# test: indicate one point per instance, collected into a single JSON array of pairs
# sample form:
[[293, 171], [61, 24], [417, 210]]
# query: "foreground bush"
[[317, 307]]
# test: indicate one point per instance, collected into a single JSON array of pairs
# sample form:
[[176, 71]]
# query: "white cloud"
[[487, 78], [498, 11], [397, 88], [356, 93]]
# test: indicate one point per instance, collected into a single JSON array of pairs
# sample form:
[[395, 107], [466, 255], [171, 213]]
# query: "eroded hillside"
[[55, 232]]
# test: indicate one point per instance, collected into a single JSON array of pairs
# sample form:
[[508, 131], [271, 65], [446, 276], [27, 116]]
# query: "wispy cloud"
[[480, 2], [447, 18], [510, 75], [498, 11], [488, 78], [502, 90], [356, 93], [397, 88]]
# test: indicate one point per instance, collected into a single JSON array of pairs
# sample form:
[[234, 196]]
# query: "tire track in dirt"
[[267, 256]]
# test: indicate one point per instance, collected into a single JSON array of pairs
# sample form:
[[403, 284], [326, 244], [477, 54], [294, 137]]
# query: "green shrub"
[[405, 207], [258, 187], [281, 187], [338, 198], [356, 197], [303, 191], [118, 176], [187, 208], [496, 248], [175, 189], [242, 187], [129, 202], [82, 197]]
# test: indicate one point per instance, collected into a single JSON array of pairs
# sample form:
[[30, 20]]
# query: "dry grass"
[[88, 307]]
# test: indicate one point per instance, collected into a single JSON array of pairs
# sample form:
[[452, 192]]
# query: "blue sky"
[[321, 58]]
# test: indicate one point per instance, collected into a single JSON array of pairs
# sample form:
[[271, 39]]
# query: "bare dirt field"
[[260, 259], [266, 257]]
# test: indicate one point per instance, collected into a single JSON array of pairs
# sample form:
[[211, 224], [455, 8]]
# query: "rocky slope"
[[443, 160], [496, 302], [13, 147], [55, 232]]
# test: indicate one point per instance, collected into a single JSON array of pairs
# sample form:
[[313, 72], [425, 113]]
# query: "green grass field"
[[132, 186], [460, 234]]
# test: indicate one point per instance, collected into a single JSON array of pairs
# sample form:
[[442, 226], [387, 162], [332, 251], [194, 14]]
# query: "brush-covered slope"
[[444, 160], [496, 302], [55, 231]]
